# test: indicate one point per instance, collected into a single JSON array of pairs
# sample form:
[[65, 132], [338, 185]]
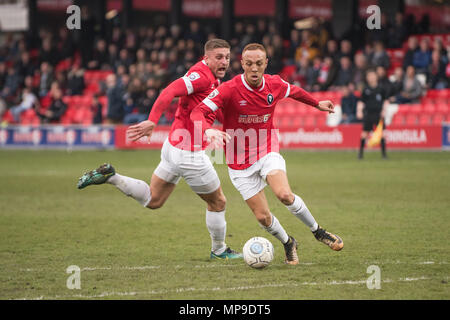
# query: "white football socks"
[[277, 230], [217, 227], [137, 189], [300, 210]]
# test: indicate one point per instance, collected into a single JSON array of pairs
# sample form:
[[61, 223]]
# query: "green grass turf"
[[394, 214]]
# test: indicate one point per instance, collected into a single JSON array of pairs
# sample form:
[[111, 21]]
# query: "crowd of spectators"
[[143, 61]]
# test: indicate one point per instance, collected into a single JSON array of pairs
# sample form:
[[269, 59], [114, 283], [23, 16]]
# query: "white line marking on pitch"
[[221, 266], [181, 290]]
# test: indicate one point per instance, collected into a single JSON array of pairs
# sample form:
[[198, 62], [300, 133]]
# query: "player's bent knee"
[[263, 218], [286, 197]]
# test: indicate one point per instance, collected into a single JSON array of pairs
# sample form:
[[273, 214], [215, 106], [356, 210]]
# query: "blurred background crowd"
[[122, 71]]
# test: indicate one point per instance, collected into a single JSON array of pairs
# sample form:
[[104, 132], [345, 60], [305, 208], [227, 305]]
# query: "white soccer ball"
[[258, 252]]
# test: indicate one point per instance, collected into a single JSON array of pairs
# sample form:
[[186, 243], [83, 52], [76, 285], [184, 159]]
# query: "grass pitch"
[[393, 214]]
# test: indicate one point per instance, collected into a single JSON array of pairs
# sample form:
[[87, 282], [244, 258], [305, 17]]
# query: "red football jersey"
[[199, 81], [248, 116]]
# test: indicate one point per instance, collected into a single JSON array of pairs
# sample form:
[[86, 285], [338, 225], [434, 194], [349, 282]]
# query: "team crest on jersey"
[[269, 98], [194, 76], [213, 94]]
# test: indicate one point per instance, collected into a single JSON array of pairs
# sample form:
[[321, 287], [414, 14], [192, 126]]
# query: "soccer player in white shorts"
[[248, 102], [182, 156]]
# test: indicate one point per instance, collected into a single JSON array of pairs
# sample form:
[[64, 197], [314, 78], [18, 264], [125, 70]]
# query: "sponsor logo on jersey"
[[253, 118], [242, 103], [269, 98]]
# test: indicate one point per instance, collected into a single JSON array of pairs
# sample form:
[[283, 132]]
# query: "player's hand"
[[326, 105], [142, 129], [217, 138]]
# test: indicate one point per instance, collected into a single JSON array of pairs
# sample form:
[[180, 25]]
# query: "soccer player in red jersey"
[[251, 144], [182, 155]]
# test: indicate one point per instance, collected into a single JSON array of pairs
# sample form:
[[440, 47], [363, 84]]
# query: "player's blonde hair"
[[216, 43]]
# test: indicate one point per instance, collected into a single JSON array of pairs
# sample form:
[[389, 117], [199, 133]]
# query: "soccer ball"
[[258, 252]]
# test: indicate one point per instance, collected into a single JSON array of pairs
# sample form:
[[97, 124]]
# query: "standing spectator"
[[56, 110], [12, 82], [96, 107], [24, 66], [115, 94], [384, 82], [412, 89], [396, 83], [65, 45], [48, 52]]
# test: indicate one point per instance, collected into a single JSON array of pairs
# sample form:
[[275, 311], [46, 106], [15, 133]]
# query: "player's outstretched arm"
[[325, 105]]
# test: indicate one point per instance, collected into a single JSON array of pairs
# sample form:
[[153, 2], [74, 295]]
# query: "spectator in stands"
[[3, 74], [360, 62], [345, 73], [397, 32], [24, 66], [327, 74], [413, 46], [46, 78], [309, 46], [75, 80], [99, 56], [396, 83], [143, 106], [331, 49], [115, 93], [65, 45], [29, 101], [12, 83], [380, 56], [412, 89], [96, 108], [422, 57], [195, 33], [312, 75], [124, 58], [56, 110], [48, 52], [436, 78], [384, 82], [346, 50], [348, 105]]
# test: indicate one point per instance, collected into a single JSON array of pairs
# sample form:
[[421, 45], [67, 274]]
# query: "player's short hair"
[[254, 46], [216, 43]]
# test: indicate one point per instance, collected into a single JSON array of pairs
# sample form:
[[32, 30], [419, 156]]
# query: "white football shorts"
[[252, 180], [195, 167]]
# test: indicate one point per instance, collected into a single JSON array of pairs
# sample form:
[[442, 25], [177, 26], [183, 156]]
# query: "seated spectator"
[[397, 32], [11, 85], [327, 74], [346, 50], [348, 105], [115, 93], [143, 106], [412, 89], [380, 56], [46, 79], [345, 73], [56, 110], [413, 46], [99, 56], [422, 57], [396, 83], [29, 101], [359, 73], [384, 82], [436, 72], [75, 80]]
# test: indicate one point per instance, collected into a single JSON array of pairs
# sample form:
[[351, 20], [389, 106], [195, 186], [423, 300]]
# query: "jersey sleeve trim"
[[288, 91], [210, 104], [188, 83]]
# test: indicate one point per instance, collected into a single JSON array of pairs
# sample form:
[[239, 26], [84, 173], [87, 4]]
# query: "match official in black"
[[370, 109]]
